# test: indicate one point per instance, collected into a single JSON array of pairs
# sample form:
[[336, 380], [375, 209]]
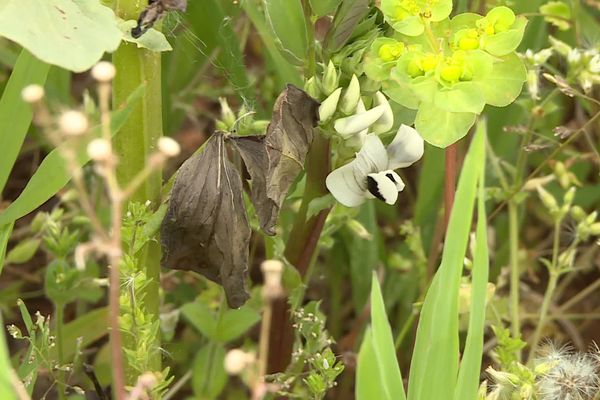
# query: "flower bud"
[[568, 197], [359, 229], [351, 96], [559, 46], [99, 150], [451, 73], [330, 79], [168, 146], [548, 200], [104, 71], [578, 214], [329, 106], [227, 115], [32, 93], [312, 88], [73, 123], [595, 229], [386, 121], [389, 52]]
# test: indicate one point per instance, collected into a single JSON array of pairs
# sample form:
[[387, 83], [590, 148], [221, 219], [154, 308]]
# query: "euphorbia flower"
[[371, 174]]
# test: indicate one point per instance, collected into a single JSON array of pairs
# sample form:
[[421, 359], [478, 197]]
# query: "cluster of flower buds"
[[345, 110], [534, 62], [241, 124], [584, 64], [557, 211], [587, 226]]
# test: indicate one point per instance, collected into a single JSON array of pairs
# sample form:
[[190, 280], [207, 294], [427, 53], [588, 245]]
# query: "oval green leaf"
[[442, 128], [287, 21], [81, 30], [505, 82]]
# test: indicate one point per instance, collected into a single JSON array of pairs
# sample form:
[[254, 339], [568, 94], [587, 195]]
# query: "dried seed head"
[[104, 71], [73, 123], [32, 93], [99, 150], [169, 147]]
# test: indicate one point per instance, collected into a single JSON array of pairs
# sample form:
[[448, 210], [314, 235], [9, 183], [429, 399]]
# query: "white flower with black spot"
[[371, 174]]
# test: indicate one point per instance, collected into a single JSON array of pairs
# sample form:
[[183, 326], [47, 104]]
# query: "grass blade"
[[468, 375], [434, 366], [384, 351], [51, 175], [6, 372], [14, 112], [5, 231], [368, 379]]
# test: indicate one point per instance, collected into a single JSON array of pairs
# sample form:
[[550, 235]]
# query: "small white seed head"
[[237, 360], [169, 147], [73, 123], [32, 93], [104, 71], [99, 150]]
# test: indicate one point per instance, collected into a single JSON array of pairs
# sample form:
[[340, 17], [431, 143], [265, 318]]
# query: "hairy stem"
[[60, 320], [515, 273], [134, 144]]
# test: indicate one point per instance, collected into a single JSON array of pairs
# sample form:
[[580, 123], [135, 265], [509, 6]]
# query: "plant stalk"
[[299, 250], [60, 320], [450, 171], [134, 144]]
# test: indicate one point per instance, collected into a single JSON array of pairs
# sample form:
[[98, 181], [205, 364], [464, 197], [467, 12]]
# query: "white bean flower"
[[371, 174]]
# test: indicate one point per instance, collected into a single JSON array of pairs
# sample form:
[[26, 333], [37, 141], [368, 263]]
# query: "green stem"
[[135, 142], [515, 273], [60, 309]]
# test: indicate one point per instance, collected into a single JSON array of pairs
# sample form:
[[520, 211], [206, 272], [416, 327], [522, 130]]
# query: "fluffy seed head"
[[73, 123], [104, 71], [32, 93], [237, 360], [169, 147]]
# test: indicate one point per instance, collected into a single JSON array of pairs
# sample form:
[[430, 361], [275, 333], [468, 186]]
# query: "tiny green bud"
[[351, 96], [595, 229], [390, 52], [569, 196], [312, 88], [548, 200], [227, 115], [330, 79], [359, 229], [591, 218], [578, 214]]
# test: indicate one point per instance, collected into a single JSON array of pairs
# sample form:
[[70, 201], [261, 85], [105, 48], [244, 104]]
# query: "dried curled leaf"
[[206, 229], [275, 160]]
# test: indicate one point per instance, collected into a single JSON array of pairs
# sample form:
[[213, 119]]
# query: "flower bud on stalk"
[[330, 79]]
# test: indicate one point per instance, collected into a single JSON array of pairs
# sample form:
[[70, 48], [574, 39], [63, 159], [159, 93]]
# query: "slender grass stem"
[[515, 273], [60, 320], [549, 294]]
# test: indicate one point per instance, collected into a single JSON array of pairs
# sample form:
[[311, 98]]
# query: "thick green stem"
[[135, 142]]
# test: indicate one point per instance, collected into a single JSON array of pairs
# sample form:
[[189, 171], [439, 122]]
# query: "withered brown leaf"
[[206, 229], [275, 159]]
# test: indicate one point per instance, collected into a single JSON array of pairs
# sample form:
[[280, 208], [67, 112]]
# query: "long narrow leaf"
[[5, 231], [369, 384], [434, 366], [15, 114], [381, 355], [468, 376], [52, 175], [6, 372]]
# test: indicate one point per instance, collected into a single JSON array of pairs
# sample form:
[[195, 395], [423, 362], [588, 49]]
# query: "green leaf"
[[323, 7], [434, 365], [442, 128], [411, 26], [503, 43], [201, 317], [505, 83], [369, 384], [152, 40], [52, 175], [208, 373], [234, 323], [348, 16], [462, 97], [23, 251], [289, 25], [6, 372], [14, 112], [441, 10], [383, 347], [85, 27], [470, 367], [557, 13], [5, 231], [319, 204]]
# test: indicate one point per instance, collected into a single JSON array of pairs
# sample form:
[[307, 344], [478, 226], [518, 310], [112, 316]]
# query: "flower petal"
[[386, 121], [372, 156], [406, 148], [351, 96], [343, 185], [383, 187], [353, 124], [393, 176]]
